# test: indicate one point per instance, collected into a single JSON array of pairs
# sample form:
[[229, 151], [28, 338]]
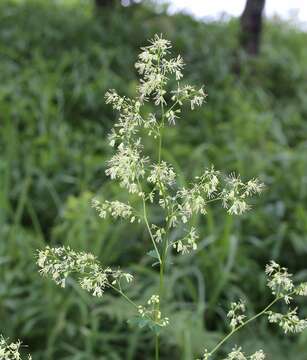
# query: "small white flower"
[[236, 314], [236, 354], [188, 243], [154, 299], [158, 233]]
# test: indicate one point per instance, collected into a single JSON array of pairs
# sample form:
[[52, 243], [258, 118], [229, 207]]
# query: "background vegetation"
[[57, 59]]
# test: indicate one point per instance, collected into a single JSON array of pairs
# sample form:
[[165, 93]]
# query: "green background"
[[57, 59]]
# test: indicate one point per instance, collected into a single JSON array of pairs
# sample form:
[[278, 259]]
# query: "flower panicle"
[[279, 280], [236, 314], [116, 209], [61, 262], [237, 354], [11, 351], [152, 311]]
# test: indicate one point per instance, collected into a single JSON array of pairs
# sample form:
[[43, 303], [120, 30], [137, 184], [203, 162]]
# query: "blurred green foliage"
[[57, 60]]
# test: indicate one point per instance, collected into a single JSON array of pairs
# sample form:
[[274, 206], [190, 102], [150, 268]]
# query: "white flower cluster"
[[116, 209], [10, 351], [206, 355], [236, 314], [154, 300], [289, 322], [206, 188], [128, 166], [172, 115], [188, 243], [236, 192], [279, 280], [258, 355], [61, 262], [162, 174], [282, 287], [209, 181], [154, 67], [152, 311], [237, 354], [188, 92], [129, 117], [152, 126], [191, 202], [301, 289], [157, 233]]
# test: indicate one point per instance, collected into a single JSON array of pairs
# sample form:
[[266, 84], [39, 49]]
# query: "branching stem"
[[243, 324]]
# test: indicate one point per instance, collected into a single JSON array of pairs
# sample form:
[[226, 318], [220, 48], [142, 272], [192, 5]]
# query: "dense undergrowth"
[[57, 61]]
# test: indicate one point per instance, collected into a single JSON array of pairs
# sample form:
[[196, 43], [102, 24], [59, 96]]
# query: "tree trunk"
[[105, 3], [251, 26]]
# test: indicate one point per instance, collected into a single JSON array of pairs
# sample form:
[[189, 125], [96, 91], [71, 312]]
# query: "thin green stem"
[[157, 356], [147, 223], [172, 107], [243, 324], [131, 302], [119, 291], [162, 260], [161, 282], [160, 146], [149, 230]]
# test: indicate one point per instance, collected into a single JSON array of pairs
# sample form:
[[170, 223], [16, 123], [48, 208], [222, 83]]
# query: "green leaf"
[[153, 254], [139, 321], [155, 327], [145, 322]]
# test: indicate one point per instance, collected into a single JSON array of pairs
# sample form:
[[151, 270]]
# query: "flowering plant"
[[152, 180], [10, 351]]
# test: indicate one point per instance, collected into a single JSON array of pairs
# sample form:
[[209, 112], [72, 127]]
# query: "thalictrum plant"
[[150, 179]]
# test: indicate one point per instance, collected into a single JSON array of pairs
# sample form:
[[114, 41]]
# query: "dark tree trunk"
[[251, 26], [105, 3]]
